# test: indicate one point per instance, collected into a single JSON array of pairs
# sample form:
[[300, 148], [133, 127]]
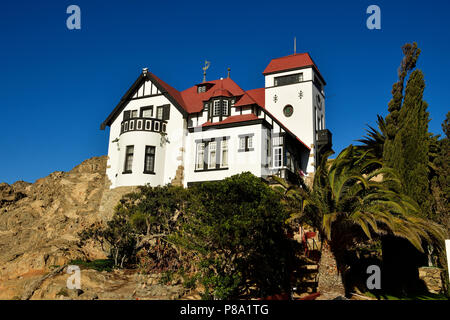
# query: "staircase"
[[305, 278]]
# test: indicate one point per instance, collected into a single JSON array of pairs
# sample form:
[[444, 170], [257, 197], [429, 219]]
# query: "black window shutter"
[[126, 115], [166, 112]]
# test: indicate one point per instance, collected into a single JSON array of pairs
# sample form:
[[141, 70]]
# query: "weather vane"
[[207, 64]]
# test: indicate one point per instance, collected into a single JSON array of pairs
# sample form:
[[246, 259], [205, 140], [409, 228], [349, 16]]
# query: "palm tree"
[[348, 203]]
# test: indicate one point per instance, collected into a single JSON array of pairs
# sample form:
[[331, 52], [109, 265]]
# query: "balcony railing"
[[143, 124]]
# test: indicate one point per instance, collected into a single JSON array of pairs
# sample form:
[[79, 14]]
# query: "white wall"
[[238, 161], [167, 157], [301, 122]]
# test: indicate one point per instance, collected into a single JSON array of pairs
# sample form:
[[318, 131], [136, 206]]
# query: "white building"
[[213, 130]]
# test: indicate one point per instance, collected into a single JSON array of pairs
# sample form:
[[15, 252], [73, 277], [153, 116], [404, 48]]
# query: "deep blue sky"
[[58, 85]]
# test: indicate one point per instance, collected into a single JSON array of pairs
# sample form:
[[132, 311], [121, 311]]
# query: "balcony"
[[143, 124]]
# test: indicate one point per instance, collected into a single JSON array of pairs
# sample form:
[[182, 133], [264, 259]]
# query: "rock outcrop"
[[40, 222]]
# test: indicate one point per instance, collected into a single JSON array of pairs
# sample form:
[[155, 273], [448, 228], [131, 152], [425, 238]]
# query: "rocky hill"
[[39, 226]]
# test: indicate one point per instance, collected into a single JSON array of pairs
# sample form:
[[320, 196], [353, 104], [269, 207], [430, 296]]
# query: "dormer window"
[[201, 89], [220, 107], [225, 107], [216, 110]]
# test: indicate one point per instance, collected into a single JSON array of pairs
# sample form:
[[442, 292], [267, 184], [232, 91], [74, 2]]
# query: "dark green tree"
[[413, 141], [411, 54], [238, 229], [407, 140], [440, 176]]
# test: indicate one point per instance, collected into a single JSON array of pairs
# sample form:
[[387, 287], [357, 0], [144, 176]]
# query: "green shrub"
[[237, 227], [99, 265]]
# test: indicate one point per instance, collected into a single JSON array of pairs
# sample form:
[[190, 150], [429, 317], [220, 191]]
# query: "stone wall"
[[432, 277]]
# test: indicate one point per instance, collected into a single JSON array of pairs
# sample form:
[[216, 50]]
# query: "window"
[[200, 156], [288, 110], [212, 155], [201, 89], [224, 146], [225, 107], [147, 112], [134, 113], [318, 83], [284, 80], [126, 115], [128, 159], [242, 143], [245, 143], [250, 142], [206, 107], [149, 160], [216, 108], [269, 149], [277, 157], [159, 113], [289, 161]]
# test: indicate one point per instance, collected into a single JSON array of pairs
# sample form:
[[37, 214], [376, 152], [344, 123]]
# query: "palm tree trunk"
[[330, 281]]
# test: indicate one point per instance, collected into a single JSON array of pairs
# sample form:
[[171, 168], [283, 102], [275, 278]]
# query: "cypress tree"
[[391, 151], [413, 141]]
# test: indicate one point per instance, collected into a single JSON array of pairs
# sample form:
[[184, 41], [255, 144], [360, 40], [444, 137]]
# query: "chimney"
[[144, 71], [228, 72]]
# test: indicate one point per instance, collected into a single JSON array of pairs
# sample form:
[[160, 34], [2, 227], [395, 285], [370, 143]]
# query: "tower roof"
[[291, 62]]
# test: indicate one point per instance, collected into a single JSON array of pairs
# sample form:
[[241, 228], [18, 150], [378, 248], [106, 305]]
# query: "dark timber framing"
[[127, 97]]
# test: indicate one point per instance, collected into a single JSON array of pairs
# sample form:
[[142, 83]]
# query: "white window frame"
[[158, 110], [242, 143], [224, 107], [212, 150], [250, 142], [275, 160], [216, 108], [199, 161], [224, 150]]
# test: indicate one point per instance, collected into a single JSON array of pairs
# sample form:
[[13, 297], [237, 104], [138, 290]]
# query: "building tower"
[[294, 94]]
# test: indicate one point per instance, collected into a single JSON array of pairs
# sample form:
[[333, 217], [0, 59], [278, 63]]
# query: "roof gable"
[[169, 92]]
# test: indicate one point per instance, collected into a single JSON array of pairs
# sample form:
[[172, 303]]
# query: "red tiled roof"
[[171, 91], [221, 93], [293, 61], [194, 100], [245, 100], [259, 95], [233, 119]]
